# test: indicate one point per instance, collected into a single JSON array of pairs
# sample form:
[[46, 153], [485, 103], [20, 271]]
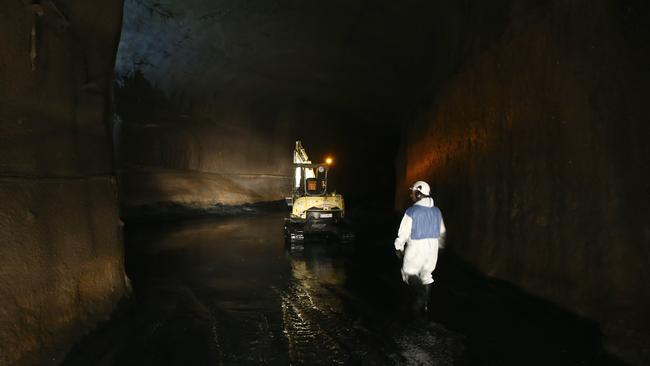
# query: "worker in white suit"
[[421, 234]]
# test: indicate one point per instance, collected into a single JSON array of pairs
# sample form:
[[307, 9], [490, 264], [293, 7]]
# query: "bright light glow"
[[329, 161]]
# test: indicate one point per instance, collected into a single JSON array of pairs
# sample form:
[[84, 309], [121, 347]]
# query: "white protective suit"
[[420, 256]]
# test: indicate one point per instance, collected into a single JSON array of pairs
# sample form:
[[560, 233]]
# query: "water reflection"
[[321, 261]]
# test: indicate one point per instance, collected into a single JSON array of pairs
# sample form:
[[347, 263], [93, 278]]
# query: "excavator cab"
[[314, 211], [316, 184]]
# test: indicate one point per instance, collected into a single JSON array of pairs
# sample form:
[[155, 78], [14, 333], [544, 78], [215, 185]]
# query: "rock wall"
[[214, 152], [61, 255], [536, 146]]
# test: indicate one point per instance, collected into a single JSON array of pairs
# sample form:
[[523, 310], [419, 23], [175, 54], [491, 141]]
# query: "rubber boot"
[[420, 298], [427, 297]]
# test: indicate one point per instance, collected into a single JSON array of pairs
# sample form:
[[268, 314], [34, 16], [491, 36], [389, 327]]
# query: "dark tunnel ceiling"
[[347, 54]]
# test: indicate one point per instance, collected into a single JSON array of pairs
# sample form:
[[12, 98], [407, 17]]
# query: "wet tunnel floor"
[[227, 291]]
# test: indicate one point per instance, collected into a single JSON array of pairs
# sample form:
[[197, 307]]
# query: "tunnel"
[[147, 157]]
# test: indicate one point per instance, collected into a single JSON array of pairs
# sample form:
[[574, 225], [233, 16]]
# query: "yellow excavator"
[[314, 211]]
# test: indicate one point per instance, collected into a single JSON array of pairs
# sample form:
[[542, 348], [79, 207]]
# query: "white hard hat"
[[421, 187]]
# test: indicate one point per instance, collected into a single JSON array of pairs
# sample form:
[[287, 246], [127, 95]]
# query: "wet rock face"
[[536, 149], [61, 253]]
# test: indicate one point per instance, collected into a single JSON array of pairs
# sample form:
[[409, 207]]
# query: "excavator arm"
[[300, 157]]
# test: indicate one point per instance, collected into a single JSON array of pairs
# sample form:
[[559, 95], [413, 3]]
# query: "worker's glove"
[[442, 243], [399, 254]]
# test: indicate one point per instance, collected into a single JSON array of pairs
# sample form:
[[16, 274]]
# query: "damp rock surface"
[[61, 255]]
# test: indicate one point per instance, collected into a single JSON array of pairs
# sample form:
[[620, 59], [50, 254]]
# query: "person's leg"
[[427, 297], [414, 258], [426, 281], [426, 272], [429, 260], [416, 271], [418, 299]]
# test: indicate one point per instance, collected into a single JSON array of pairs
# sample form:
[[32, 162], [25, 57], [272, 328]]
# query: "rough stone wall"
[[61, 256], [537, 150], [215, 152]]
